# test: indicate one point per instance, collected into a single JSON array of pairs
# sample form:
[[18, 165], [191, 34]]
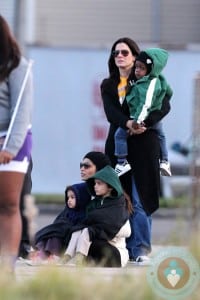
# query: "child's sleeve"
[[147, 96]]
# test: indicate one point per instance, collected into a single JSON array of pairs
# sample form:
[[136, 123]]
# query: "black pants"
[[104, 254]]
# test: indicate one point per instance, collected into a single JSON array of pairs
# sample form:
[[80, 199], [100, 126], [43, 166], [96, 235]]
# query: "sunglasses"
[[85, 165], [124, 53]]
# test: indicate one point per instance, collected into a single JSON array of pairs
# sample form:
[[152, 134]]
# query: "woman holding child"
[[143, 182]]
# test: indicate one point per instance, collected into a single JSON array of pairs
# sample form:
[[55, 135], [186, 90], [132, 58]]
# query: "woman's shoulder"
[[20, 69], [107, 83], [23, 62]]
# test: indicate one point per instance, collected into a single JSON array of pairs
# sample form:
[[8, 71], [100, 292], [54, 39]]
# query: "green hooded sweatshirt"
[[147, 93], [106, 215], [107, 175]]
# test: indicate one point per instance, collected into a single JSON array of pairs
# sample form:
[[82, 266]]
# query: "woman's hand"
[[140, 130], [5, 157], [134, 128]]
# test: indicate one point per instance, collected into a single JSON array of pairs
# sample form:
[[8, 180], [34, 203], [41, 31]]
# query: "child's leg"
[[162, 139], [40, 251], [121, 150], [165, 169], [84, 242], [71, 248]]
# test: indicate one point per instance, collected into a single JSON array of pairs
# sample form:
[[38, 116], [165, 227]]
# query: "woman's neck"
[[125, 71]]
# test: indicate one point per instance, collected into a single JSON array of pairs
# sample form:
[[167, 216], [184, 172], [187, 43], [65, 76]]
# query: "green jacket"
[[147, 93], [107, 175], [105, 216]]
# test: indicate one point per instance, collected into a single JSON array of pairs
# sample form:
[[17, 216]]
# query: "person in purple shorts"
[[15, 140]]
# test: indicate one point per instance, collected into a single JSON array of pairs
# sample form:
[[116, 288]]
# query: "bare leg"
[[10, 218]]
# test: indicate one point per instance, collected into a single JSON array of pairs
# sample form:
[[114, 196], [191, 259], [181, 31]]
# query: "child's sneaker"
[[165, 169], [121, 169]]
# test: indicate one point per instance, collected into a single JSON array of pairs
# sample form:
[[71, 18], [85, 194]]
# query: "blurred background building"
[[96, 23], [69, 40]]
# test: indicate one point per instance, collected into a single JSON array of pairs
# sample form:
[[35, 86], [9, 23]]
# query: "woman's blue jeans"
[[139, 243]]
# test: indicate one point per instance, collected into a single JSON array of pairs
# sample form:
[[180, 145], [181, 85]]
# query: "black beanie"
[[99, 159], [146, 59]]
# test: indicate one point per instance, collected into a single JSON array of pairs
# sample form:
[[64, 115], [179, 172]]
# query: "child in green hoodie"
[[107, 218], [146, 95]]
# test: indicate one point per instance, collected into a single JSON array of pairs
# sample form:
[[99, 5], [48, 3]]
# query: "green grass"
[[49, 198], [174, 202], [60, 199], [54, 284]]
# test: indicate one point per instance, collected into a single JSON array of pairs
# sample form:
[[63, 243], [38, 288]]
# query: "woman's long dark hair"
[[113, 69], [9, 50]]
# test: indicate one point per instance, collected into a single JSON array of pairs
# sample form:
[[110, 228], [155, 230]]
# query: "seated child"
[[50, 241], [107, 214]]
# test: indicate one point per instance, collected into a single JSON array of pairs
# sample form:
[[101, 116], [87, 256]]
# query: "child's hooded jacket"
[[146, 94], [106, 216], [107, 175], [69, 217]]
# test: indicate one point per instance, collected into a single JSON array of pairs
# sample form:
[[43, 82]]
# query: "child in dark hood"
[[50, 240], [145, 95], [106, 216], [54, 237]]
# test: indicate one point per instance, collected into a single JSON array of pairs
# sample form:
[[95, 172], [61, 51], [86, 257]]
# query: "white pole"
[[17, 104]]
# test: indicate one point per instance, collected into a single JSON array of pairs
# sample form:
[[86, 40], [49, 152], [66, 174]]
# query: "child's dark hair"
[[128, 203]]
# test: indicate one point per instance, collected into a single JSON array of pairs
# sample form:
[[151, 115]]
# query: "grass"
[[60, 199], [177, 202], [49, 198], [53, 284]]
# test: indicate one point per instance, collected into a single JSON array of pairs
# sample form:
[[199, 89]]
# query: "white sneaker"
[[142, 260], [165, 169], [121, 169]]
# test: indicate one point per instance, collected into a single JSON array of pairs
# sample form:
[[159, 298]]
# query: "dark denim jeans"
[[162, 140], [139, 243], [121, 147]]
